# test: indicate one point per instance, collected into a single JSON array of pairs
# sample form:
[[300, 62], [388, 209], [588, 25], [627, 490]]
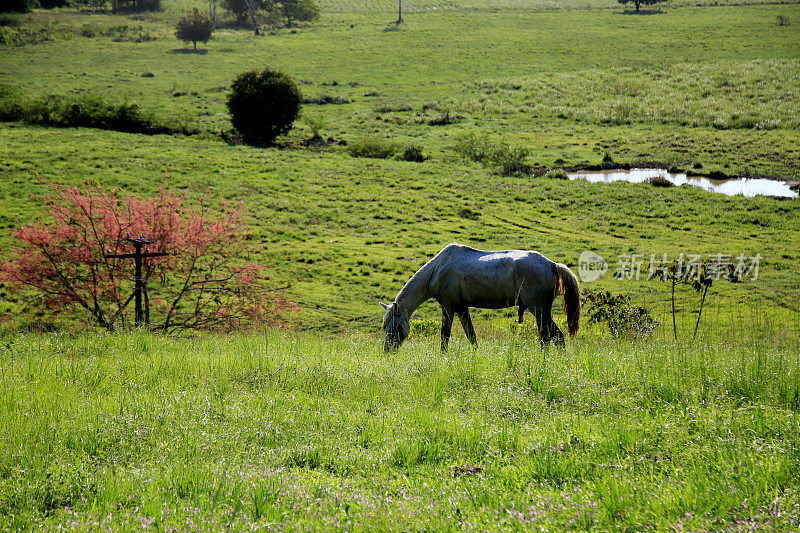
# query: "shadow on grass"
[[201, 51], [642, 12]]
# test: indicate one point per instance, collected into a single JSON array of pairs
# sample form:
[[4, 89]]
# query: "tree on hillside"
[[256, 8], [640, 2], [59, 267], [237, 8], [194, 26], [298, 11], [269, 12], [252, 13]]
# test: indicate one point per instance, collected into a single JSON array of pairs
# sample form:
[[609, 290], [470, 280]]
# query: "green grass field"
[[300, 432], [315, 428]]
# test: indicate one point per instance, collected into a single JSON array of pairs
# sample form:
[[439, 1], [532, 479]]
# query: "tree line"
[[117, 6], [250, 13], [257, 13]]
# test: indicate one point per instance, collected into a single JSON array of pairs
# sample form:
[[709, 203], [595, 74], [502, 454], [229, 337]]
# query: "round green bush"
[[263, 104]]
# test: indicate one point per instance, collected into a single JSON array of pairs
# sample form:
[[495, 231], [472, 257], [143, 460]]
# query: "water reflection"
[[731, 187]]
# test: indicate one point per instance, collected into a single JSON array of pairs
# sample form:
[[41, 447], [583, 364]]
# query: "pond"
[[731, 187]]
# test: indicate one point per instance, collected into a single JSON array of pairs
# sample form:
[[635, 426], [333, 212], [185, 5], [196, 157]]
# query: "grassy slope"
[[232, 432], [351, 231]]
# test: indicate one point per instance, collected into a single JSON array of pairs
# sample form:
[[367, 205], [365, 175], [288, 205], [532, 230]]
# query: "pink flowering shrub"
[[58, 265]]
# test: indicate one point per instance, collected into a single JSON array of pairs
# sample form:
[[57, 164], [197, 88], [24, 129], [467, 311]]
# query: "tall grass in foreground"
[[122, 431]]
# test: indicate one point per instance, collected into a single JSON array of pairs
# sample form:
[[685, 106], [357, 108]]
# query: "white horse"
[[460, 277]]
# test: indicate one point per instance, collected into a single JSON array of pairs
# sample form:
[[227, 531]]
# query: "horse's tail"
[[568, 286]]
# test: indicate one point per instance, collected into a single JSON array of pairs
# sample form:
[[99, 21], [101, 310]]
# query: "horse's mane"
[[422, 277]]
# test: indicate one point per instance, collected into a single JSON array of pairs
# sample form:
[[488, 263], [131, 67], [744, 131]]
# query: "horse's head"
[[395, 326]]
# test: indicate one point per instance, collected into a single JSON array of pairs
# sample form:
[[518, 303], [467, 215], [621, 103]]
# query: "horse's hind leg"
[[466, 323], [521, 311], [548, 329], [447, 326], [556, 335]]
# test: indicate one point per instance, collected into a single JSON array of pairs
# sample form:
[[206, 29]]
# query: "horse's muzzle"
[[390, 347]]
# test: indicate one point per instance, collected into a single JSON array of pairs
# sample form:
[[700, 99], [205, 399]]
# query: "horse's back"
[[521, 262], [493, 279]]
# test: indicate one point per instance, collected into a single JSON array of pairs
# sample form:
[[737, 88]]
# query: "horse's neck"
[[416, 290]]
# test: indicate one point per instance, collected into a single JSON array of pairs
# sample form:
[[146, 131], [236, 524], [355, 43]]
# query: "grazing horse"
[[460, 277]]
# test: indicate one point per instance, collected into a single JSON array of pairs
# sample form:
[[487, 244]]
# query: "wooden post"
[[141, 316]]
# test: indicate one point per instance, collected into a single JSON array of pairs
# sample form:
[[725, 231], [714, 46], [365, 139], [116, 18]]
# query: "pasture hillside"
[[349, 231], [305, 430], [711, 89]]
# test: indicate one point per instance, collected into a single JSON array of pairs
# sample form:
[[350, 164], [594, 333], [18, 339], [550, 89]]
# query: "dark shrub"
[[506, 158], [511, 160], [473, 147], [80, 112], [393, 108], [16, 6], [411, 152], [326, 100], [135, 6], [718, 175], [468, 213], [263, 104], [373, 148], [9, 20], [556, 174], [50, 4], [444, 119], [660, 181]]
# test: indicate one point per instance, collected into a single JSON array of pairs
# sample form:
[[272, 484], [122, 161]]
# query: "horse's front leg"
[[466, 323], [543, 321], [558, 336], [447, 327]]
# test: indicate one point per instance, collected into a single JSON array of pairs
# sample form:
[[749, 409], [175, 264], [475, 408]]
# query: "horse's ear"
[[384, 305]]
